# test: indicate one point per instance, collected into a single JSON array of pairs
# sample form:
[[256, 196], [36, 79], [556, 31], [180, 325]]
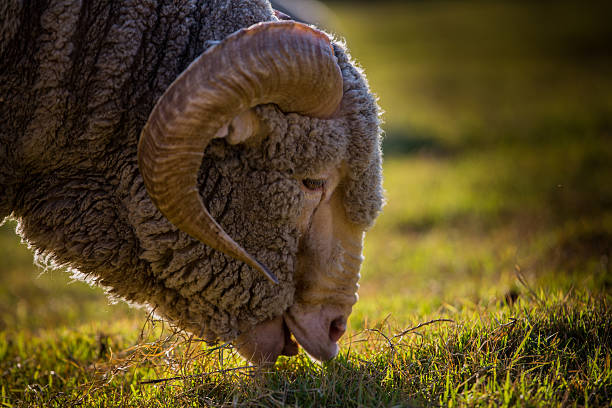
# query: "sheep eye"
[[314, 184]]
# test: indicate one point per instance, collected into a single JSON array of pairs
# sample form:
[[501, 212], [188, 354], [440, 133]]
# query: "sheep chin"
[[265, 342]]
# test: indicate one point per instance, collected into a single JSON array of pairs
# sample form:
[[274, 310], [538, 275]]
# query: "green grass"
[[487, 278], [543, 349]]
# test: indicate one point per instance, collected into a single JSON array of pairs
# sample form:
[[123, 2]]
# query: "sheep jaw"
[[263, 344]]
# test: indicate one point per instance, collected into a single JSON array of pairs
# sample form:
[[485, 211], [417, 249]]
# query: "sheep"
[[249, 232]]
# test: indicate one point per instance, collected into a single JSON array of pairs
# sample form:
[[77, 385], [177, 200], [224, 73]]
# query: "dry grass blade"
[[186, 377], [420, 325]]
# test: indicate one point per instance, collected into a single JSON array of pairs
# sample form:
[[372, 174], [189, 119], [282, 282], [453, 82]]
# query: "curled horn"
[[285, 63]]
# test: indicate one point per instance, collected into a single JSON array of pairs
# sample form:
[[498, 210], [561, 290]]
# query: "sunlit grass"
[[544, 348]]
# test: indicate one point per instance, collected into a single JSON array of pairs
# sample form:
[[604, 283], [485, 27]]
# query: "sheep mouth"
[[263, 343], [317, 331], [291, 346]]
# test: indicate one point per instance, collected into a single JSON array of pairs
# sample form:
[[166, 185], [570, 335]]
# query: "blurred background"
[[498, 162]]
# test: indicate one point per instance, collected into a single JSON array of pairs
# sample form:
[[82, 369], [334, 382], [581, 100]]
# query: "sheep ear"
[[243, 127]]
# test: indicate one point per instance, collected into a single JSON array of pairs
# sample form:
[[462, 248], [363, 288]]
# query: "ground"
[[487, 278]]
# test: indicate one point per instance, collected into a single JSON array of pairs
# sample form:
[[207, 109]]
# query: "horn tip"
[[267, 272]]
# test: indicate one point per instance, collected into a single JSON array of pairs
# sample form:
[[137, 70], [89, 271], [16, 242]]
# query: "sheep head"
[[293, 67]]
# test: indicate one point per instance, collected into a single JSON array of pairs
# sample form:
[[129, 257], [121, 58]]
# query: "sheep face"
[[328, 264], [327, 270], [330, 177], [327, 273]]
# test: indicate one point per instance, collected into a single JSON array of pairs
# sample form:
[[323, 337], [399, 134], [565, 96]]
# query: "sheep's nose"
[[337, 328]]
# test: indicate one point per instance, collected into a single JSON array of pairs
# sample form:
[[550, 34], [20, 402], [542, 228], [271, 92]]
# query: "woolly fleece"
[[77, 83]]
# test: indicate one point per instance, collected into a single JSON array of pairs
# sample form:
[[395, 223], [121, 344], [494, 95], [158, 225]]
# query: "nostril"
[[337, 328]]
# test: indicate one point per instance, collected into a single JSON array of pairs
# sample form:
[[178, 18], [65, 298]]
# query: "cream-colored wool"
[[81, 87]]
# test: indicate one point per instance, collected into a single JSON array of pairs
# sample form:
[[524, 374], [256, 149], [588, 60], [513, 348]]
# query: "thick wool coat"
[[77, 83]]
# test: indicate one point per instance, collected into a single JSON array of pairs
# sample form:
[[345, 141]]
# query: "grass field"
[[487, 278]]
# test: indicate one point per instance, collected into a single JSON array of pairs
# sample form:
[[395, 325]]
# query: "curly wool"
[[81, 202]]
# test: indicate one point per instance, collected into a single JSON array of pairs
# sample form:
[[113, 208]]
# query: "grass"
[[487, 279], [545, 349]]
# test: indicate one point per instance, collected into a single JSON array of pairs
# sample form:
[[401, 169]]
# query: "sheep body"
[[81, 81]]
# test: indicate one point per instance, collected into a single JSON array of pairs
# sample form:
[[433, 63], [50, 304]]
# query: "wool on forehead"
[[307, 146]]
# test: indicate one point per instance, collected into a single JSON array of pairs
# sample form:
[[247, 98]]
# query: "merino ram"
[[199, 157]]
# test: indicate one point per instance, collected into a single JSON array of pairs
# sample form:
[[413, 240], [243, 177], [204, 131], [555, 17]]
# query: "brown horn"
[[286, 63]]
